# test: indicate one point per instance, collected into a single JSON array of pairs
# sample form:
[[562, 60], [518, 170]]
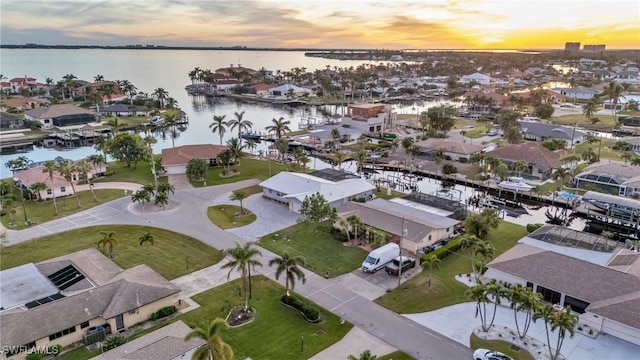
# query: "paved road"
[[190, 218]]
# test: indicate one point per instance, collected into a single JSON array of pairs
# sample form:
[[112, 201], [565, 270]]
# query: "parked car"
[[380, 257], [394, 267], [435, 246], [485, 354], [492, 133]]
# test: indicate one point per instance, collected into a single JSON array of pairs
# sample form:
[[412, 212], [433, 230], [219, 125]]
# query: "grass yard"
[[382, 194], [141, 174], [80, 353], [276, 332], [606, 121], [477, 132], [501, 346], [249, 169], [167, 256], [321, 250], [548, 188], [224, 216], [415, 296], [606, 152], [40, 212], [252, 190], [398, 355]]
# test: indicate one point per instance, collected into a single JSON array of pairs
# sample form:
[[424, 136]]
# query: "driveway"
[[180, 181], [270, 216]]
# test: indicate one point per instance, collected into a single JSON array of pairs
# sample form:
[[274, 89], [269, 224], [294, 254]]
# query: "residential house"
[[261, 90], [60, 186], [538, 131], [610, 177], [631, 124], [79, 297], [477, 77], [287, 90], [20, 103], [11, 121], [592, 62], [337, 187], [485, 102], [541, 160], [319, 136], [578, 92], [174, 160], [589, 273], [236, 72], [61, 115], [124, 110], [88, 87], [634, 143], [412, 228], [20, 83], [369, 118], [449, 149], [6, 87], [166, 343], [549, 96]]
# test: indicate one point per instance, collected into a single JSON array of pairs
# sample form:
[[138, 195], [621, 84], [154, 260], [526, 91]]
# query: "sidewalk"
[[354, 343]]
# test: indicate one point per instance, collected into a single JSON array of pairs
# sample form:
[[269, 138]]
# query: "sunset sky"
[[427, 24]]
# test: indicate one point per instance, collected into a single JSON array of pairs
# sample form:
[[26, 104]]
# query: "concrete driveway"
[[180, 181]]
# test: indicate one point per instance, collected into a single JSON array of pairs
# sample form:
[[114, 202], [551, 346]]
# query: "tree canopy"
[[315, 210], [128, 148]]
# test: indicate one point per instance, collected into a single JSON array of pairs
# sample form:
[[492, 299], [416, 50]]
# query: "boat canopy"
[[612, 199]]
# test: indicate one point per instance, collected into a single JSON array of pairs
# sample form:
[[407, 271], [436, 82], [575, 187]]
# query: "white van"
[[380, 257]]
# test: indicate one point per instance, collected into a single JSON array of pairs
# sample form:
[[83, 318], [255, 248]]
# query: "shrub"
[[463, 160], [533, 227], [441, 253], [113, 342], [163, 312], [338, 234], [309, 312]]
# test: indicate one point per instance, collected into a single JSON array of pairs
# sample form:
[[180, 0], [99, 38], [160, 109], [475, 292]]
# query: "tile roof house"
[[61, 115], [538, 131], [174, 160], [101, 295], [337, 187], [605, 294], [59, 186], [21, 103], [166, 343], [541, 160], [455, 150], [422, 228]]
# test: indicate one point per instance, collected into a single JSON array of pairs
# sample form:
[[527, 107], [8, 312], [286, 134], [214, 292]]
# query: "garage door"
[[177, 169]]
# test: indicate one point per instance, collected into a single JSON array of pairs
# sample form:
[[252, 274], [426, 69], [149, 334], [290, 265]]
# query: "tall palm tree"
[[68, 83], [563, 321], [484, 250], [21, 162], [430, 263], [215, 348], [109, 241], [524, 300], [519, 166], [614, 91], [242, 258], [115, 125], [290, 267], [496, 291], [240, 124], [66, 169], [84, 167], [339, 157], [239, 195], [107, 90], [235, 147], [361, 158], [478, 293], [147, 238], [98, 78], [50, 170], [219, 125], [161, 94], [279, 127], [562, 174], [590, 108], [171, 121]]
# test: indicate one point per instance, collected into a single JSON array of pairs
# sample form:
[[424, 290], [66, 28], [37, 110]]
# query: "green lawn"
[[276, 332], [141, 174], [606, 152], [477, 132], [249, 169], [501, 346], [320, 249], [80, 353], [415, 296], [252, 190], [398, 355], [224, 216], [548, 188], [40, 212], [168, 255], [606, 121], [382, 194]]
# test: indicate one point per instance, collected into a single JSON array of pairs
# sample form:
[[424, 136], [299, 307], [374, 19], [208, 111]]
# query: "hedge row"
[[441, 253], [309, 312], [163, 312]]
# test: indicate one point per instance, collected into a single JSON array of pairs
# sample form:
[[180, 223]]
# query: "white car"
[[485, 354], [492, 133]]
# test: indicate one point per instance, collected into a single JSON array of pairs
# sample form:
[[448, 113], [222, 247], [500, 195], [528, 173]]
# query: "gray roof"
[[549, 130], [23, 284], [91, 262], [434, 220], [165, 343], [299, 186], [617, 169], [132, 288], [612, 199], [324, 131]]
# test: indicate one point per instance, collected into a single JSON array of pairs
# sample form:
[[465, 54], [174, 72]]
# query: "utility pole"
[[402, 234]]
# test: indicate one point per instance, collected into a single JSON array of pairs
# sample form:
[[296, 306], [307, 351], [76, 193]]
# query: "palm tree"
[[239, 195], [50, 170], [430, 263], [66, 169], [235, 147], [161, 199], [289, 265], [238, 122], [96, 160], [83, 167], [615, 93], [147, 238], [519, 166], [161, 94], [590, 108], [171, 121], [355, 223], [21, 162], [553, 319], [366, 355], [102, 145], [484, 251], [478, 293], [279, 127], [109, 240], [115, 125], [339, 157], [98, 78], [215, 348], [68, 83], [219, 125], [106, 90], [497, 291], [626, 156], [242, 258], [361, 158], [37, 187], [562, 174], [524, 300], [142, 196], [251, 145]]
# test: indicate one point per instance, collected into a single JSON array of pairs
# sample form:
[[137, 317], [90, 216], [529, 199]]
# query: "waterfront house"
[[541, 160], [597, 279], [421, 228], [634, 143], [369, 118], [285, 90], [481, 79], [537, 131], [79, 297], [549, 96], [174, 160], [23, 83], [485, 101], [124, 110], [320, 135], [261, 90], [611, 177], [61, 115], [20, 103], [631, 124], [10, 121], [578, 92], [449, 149], [337, 187], [88, 87], [166, 343], [60, 186]]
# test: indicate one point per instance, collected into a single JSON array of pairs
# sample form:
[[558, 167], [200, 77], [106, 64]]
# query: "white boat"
[[515, 183]]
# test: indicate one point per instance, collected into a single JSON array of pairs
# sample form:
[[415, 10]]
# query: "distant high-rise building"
[[572, 46], [595, 48]]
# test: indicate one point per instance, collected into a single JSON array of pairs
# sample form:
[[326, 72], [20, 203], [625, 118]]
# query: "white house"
[[481, 79], [589, 273], [61, 115], [285, 89], [578, 92], [174, 160], [58, 186], [337, 187], [369, 118]]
